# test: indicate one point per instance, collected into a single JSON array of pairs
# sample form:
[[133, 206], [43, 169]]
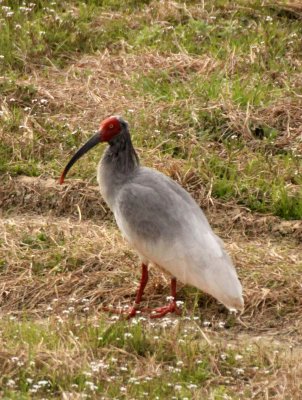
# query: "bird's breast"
[[106, 189]]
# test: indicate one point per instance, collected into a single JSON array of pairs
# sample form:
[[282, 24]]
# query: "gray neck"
[[120, 155], [118, 164]]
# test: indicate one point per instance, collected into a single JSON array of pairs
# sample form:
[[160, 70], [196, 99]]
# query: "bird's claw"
[[132, 312], [162, 311]]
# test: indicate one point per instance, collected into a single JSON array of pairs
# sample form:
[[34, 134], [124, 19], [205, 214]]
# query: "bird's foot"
[[132, 313], [162, 311], [134, 310]]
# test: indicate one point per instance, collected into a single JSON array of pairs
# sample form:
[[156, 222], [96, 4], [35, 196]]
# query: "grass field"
[[212, 91]]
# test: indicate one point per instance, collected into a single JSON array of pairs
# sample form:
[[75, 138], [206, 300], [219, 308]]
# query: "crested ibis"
[[161, 221]]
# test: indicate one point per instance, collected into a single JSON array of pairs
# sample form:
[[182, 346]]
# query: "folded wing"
[[166, 226]]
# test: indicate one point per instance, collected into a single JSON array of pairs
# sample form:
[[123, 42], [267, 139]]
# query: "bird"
[[161, 221]]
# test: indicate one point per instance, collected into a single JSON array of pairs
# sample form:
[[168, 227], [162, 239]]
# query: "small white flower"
[[91, 385], [11, 383], [43, 383], [239, 371], [192, 386], [268, 18]]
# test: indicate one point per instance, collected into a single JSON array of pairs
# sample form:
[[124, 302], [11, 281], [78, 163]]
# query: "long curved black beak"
[[96, 139]]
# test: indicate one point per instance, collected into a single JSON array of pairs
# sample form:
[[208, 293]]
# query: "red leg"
[[170, 308], [140, 292], [139, 295]]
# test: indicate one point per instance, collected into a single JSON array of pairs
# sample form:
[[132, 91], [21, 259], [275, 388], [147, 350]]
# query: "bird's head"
[[111, 128]]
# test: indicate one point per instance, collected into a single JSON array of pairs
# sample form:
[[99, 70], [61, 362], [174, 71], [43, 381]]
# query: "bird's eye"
[[111, 126]]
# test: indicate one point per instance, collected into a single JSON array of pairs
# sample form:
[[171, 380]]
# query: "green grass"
[[42, 33], [108, 360]]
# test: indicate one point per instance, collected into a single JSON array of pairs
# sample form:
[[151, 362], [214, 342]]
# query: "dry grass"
[[90, 87], [54, 259], [284, 115], [80, 200], [292, 9], [82, 96]]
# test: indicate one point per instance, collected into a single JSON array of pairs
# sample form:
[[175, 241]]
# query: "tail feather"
[[221, 282]]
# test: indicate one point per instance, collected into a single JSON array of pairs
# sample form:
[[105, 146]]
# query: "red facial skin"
[[109, 128]]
